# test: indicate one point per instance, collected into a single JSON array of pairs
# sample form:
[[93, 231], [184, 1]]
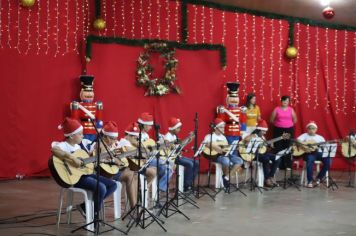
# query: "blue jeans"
[[190, 170], [163, 176], [106, 187], [269, 171], [316, 156], [225, 161]]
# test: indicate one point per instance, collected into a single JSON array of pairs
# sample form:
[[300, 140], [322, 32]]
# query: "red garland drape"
[[36, 87]]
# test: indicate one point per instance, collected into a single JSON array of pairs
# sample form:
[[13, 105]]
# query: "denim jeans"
[[316, 156], [163, 176], [225, 161], [190, 170], [269, 170], [106, 187]]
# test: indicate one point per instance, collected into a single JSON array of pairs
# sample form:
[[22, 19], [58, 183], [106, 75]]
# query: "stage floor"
[[309, 212]]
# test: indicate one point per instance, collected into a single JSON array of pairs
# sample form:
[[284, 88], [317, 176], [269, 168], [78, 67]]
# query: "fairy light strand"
[[176, 19], [203, 23], [354, 103], [344, 66], [296, 85], [67, 27], [19, 32], [280, 79], [211, 13], [123, 25], [38, 38], [141, 19], [158, 19], [336, 91], [237, 46], [8, 24], [262, 60], [316, 68], [1, 25], [28, 31], [245, 56], [224, 27], [104, 12], [327, 70], [254, 53], [113, 7], [149, 19], [195, 24], [307, 75], [57, 29], [168, 20], [271, 60], [48, 17], [132, 12], [75, 33]]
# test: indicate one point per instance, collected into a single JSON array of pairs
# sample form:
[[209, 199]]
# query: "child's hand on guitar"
[[76, 162]]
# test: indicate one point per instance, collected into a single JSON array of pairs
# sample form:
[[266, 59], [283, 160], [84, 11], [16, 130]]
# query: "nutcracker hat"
[[174, 123], [232, 88], [311, 123], [218, 122], [145, 119], [70, 127], [110, 129], [87, 82], [262, 125], [133, 129]]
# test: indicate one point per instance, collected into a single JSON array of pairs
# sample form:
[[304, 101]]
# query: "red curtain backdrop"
[[41, 57]]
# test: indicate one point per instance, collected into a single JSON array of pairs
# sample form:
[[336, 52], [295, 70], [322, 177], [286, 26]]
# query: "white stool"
[[144, 189], [181, 178], [89, 205], [303, 178], [218, 176], [117, 201]]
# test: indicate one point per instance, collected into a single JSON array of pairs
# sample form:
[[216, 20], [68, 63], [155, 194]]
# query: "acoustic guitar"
[[348, 150], [300, 148], [168, 147], [212, 153]]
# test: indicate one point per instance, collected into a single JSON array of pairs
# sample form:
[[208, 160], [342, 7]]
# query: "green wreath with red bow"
[[157, 86]]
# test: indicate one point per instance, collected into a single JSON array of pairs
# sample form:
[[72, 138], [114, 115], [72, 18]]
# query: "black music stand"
[[329, 151], [291, 181], [97, 221], [139, 210]]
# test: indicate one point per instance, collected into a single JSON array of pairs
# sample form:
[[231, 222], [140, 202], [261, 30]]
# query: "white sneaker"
[[317, 182], [310, 185]]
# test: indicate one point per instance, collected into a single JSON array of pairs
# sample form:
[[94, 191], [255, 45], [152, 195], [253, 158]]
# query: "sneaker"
[[268, 183], [226, 182], [317, 182], [310, 185], [81, 209]]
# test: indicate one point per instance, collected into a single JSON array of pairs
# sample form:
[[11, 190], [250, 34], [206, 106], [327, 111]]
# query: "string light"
[[76, 28], [296, 88], [18, 31], [307, 56], [8, 24], [211, 12], [0, 25], [141, 19], [28, 31], [149, 19], [237, 46], [113, 7], [254, 52], [57, 28], [105, 13], [168, 21], [224, 27], [38, 27], [132, 12], [88, 18], [262, 94], [47, 27], [158, 19], [67, 27], [195, 24], [336, 92], [176, 20], [203, 23], [327, 70], [354, 103], [344, 64], [280, 79], [316, 68], [245, 56], [123, 26], [271, 60]]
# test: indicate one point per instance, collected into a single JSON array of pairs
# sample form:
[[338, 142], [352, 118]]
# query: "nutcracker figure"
[[233, 115], [87, 101]]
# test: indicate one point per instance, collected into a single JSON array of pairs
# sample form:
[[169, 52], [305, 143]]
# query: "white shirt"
[[124, 143], [169, 137], [316, 138], [144, 136], [64, 146], [215, 138]]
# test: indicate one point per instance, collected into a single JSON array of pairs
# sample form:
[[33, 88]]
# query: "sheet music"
[[253, 145], [232, 147], [328, 149], [283, 152], [200, 149]]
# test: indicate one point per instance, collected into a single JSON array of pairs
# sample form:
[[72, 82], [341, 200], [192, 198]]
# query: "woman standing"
[[253, 113], [284, 119]]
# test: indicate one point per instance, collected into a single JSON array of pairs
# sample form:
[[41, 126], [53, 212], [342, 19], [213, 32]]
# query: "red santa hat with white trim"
[[262, 125], [145, 119], [132, 129], [311, 123], [70, 127], [174, 123], [218, 122], [110, 129]]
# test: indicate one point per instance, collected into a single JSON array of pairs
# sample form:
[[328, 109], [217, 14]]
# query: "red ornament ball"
[[328, 13]]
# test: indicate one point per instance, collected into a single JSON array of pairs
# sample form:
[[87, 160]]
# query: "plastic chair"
[[117, 200], [218, 176], [303, 178]]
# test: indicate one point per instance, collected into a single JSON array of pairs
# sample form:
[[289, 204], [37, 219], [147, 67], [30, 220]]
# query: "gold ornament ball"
[[87, 59], [291, 52], [28, 3], [99, 24]]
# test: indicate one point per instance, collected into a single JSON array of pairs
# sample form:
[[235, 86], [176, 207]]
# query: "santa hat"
[[133, 129], [70, 127], [145, 119], [311, 123], [232, 88], [174, 123], [110, 129], [87, 82], [218, 122], [262, 125]]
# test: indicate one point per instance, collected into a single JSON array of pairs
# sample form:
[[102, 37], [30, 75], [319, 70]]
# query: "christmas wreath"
[[157, 86]]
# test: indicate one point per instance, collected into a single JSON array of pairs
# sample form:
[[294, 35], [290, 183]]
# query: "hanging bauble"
[[328, 13], [291, 52], [99, 24], [27, 3]]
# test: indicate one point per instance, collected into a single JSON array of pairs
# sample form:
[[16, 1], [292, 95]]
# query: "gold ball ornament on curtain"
[[328, 13], [99, 24], [27, 3], [291, 52]]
